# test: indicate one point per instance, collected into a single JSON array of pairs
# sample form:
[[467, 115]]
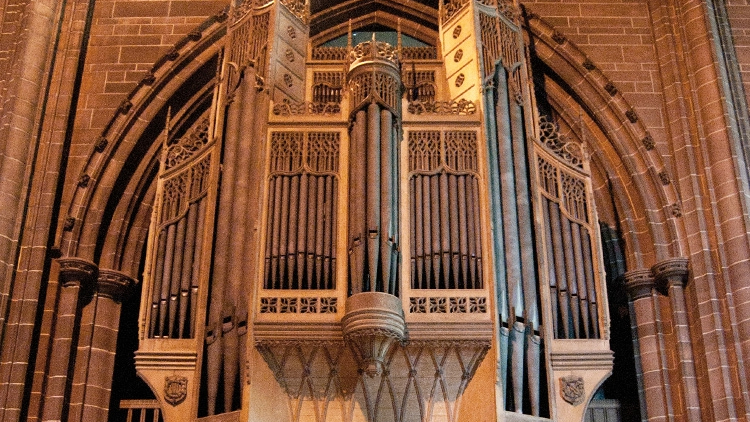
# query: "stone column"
[[641, 287], [671, 276], [97, 345], [77, 277]]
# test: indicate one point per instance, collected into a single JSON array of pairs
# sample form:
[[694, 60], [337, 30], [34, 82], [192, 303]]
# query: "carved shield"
[[572, 389], [175, 389]]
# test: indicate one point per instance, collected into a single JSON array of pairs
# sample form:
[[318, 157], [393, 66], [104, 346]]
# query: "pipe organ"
[[349, 219]]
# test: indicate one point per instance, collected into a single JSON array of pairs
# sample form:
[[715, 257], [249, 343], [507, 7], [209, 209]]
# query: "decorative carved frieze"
[[418, 53], [447, 305], [461, 107], [290, 108], [299, 305]]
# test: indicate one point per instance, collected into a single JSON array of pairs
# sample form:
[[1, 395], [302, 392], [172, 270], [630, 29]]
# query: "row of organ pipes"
[[302, 198], [180, 223], [446, 247], [373, 212]]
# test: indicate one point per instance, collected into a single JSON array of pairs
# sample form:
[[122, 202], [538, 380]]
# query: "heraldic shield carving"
[[572, 389], [175, 389]]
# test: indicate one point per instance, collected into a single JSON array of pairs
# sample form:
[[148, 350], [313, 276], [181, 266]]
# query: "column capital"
[[77, 271], [671, 271], [639, 283], [114, 284]]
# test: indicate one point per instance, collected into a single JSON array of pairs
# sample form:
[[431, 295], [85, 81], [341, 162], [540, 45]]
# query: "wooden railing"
[[142, 410]]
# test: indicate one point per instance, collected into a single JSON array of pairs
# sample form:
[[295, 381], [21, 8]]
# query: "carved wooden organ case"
[[373, 217]]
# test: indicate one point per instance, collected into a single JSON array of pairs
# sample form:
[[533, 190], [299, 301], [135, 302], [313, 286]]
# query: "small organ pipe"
[[269, 236], [427, 216], [471, 234], [319, 229], [312, 214], [158, 275], [477, 232], [495, 196], [372, 197], [292, 240], [283, 233], [275, 239], [166, 281], [570, 271], [517, 349], [551, 265], [197, 262], [526, 239], [304, 190], [331, 283], [327, 233], [174, 288], [445, 234], [386, 196], [580, 277], [187, 267], [357, 209], [435, 229], [416, 233], [533, 369], [463, 223], [509, 205], [560, 268], [590, 282], [455, 223]]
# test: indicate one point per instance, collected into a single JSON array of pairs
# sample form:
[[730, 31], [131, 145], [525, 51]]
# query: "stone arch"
[[619, 142], [108, 217]]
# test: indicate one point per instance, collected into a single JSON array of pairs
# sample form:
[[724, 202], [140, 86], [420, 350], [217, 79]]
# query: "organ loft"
[[374, 211]]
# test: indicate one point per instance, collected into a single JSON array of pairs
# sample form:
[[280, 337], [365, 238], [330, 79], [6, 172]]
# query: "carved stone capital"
[[671, 271], [77, 272], [639, 283], [114, 285]]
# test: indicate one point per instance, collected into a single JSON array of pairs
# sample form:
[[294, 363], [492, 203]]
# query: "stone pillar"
[[641, 287], [77, 277], [671, 277], [97, 344]]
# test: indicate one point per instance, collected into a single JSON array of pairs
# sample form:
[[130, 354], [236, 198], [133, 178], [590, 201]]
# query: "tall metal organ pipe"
[[374, 81]]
